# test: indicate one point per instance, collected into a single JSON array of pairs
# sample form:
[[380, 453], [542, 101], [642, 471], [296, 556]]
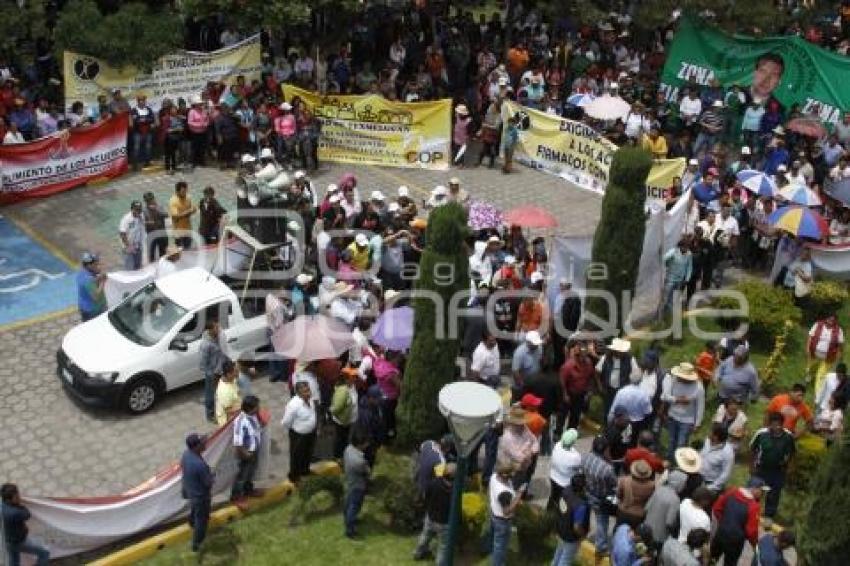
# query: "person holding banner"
[[15, 532], [198, 481]]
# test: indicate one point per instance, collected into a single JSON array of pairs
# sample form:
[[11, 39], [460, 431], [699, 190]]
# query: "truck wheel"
[[141, 395]]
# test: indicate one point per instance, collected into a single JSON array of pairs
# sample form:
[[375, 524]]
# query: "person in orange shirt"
[[529, 315], [518, 59], [791, 406], [706, 363]]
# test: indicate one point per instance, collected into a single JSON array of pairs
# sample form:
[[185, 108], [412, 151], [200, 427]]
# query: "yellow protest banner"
[[369, 129], [660, 179], [179, 75], [576, 152]]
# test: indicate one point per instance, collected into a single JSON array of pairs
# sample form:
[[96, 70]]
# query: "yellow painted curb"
[[182, 533]]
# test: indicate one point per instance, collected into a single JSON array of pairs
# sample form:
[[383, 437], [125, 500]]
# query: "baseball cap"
[[693, 162], [756, 482], [88, 257], [533, 337], [536, 277], [403, 191], [300, 174], [377, 195], [361, 240], [746, 150], [148, 196]]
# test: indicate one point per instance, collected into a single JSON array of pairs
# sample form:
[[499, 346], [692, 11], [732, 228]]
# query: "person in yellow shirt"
[[181, 209], [227, 401], [655, 143], [359, 249]]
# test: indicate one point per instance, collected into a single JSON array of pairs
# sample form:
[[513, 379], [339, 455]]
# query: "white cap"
[[393, 207], [303, 279], [510, 260], [503, 81], [782, 168], [300, 174], [533, 338], [286, 106], [377, 195], [197, 99], [390, 294], [614, 85], [746, 150], [248, 158], [494, 240], [693, 162], [440, 190], [332, 188], [361, 240], [718, 104], [403, 191], [293, 226], [454, 181], [266, 153], [335, 198], [536, 277]]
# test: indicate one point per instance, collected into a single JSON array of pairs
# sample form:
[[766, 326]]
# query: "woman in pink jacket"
[[198, 123], [286, 130]]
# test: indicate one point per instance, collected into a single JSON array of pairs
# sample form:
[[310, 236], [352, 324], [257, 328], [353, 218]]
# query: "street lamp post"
[[469, 408]]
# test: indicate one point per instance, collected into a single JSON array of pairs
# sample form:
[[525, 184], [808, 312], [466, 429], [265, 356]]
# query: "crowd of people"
[[671, 502]]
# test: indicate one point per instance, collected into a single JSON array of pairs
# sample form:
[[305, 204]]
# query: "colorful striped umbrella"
[[800, 194], [799, 221], [580, 99], [757, 182]]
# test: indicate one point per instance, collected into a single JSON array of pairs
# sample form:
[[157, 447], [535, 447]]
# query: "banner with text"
[[566, 148], [372, 130], [63, 160], [660, 179], [180, 75], [788, 69], [578, 153]]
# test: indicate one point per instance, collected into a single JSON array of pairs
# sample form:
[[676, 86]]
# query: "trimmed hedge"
[[826, 298], [767, 309]]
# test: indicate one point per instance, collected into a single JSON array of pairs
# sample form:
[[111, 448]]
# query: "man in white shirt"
[[565, 463], [834, 381], [486, 362], [299, 418], [247, 436], [133, 236], [503, 503], [727, 239], [693, 513], [690, 108]]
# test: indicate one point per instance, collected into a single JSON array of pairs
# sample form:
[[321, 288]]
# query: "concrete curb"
[[182, 533]]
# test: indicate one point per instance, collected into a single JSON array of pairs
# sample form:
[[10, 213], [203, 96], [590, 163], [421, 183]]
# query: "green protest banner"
[[788, 69]]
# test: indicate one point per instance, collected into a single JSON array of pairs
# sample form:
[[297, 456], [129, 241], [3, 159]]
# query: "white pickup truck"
[[150, 342]]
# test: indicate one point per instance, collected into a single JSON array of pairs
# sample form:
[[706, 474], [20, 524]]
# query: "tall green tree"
[[825, 534], [20, 22], [732, 15], [249, 16], [134, 35], [444, 271], [618, 241]]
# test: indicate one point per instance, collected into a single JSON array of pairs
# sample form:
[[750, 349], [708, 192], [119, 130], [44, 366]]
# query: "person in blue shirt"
[[775, 157], [630, 547], [91, 299], [198, 481], [15, 532], [770, 549]]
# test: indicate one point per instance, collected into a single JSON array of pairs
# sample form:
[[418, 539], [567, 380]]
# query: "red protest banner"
[[63, 160]]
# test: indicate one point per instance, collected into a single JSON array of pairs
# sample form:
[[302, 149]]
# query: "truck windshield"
[[146, 316]]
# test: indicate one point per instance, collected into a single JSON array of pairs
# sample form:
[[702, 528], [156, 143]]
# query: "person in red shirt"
[[792, 407], [737, 513], [706, 363], [576, 378]]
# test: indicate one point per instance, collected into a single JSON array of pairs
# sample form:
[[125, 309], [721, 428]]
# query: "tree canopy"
[[248, 16], [133, 35]]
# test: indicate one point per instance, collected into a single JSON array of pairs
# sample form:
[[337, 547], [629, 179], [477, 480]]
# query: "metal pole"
[[454, 511]]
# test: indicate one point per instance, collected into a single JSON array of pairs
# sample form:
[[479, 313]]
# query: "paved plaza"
[[52, 446]]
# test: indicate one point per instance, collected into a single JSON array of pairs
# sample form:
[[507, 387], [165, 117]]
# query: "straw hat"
[[303, 279], [685, 371], [640, 470], [172, 250], [462, 110], [620, 345], [688, 460], [516, 416]]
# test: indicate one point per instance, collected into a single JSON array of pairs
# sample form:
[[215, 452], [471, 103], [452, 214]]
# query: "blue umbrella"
[[580, 99], [757, 182], [705, 193]]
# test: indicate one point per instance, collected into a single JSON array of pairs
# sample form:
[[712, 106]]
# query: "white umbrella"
[[607, 107]]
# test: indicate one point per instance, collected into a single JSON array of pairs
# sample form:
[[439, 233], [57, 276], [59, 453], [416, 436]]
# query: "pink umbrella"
[[530, 217], [316, 337]]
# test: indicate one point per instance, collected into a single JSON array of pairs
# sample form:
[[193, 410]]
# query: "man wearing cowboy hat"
[[456, 193], [684, 395], [460, 133], [613, 371], [518, 446]]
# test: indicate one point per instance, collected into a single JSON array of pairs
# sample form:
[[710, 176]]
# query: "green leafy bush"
[[401, 501], [533, 525], [767, 309], [811, 450], [312, 485], [826, 298]]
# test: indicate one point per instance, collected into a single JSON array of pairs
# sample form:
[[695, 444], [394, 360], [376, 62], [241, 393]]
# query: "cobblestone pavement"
[[53, 446]]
